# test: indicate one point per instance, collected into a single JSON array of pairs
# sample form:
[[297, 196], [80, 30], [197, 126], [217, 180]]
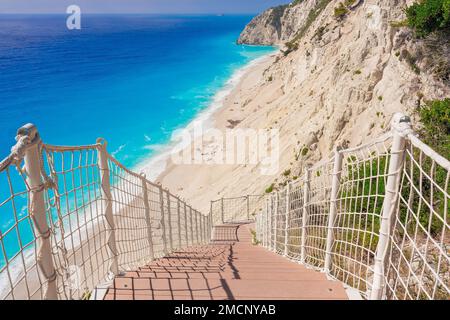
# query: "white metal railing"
[[74, 217], [236, 210], [374, 217]]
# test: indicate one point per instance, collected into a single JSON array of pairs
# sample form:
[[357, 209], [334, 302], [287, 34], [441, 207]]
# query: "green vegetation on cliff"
[[313, 14], [435, 119], [427, 16]]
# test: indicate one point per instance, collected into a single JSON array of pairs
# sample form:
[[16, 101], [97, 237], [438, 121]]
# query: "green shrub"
[[435, 118], [348, 3], [270, 188], [291, 46], [319, 34], [399, 24], [427, 16], [312, 15], [287, 173], [255, 240], [411, 60], [305, 151], [340, 11]]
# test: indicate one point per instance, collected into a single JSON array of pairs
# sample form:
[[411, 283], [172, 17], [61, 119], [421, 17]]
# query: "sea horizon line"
[[134, 13]]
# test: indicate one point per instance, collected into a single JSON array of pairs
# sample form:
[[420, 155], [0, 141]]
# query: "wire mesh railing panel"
[[316, 228], [359, 206], [256, 204], [259, 227], [419, 262], [236, 210], [295, 231], [190, 225], [74, 209], [280, 221], [167, 222], [183, 225], [216, 212], [85, 215], [194, 227], [175, 221], [267, 223], [19, 274], [130, 221], [103, 218], [262, 216], [154, 201]]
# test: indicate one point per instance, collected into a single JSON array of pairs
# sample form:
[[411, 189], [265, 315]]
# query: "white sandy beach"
[[201, 183]]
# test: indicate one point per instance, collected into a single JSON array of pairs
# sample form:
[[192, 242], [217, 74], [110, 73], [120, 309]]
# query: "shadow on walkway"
[[230, 268]]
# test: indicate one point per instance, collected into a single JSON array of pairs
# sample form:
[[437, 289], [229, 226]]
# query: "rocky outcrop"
[[265, 29], [337, 78], [277, 25], [338, 82]]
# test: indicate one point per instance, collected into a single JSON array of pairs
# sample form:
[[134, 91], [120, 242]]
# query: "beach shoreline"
[[223, 107]]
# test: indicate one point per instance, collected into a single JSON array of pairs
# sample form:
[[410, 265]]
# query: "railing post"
[[222, 211], [196, 226], [163, 223], [305, 215], [191, 225], [200, 223], [37, 209], [248, 208], [266, 214], [287, 224], [271, 222], [337, 170], [276, 222], [208, 228], [207, 224], [179, 223], [210, 222], [147, 215], [401, 126], [169, 220], [107, 203], [185, 224], [199, 228], [203, 228], [267, 226]]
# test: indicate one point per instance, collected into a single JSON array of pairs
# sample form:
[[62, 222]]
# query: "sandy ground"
[[201, 183]]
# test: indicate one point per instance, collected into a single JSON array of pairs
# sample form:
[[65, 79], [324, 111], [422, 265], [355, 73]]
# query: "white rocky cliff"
[[336, 81]]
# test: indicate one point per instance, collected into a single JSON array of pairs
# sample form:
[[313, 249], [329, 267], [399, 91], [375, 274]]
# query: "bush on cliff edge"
[[427, 16]]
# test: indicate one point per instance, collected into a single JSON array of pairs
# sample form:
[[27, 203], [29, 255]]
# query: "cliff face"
[[346, 71], [276, 25], [337, 80]]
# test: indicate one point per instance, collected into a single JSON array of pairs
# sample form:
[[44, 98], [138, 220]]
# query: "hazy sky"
[[139, 6]]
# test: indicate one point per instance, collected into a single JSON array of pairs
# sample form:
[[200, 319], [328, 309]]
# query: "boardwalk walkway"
[[230, 270]]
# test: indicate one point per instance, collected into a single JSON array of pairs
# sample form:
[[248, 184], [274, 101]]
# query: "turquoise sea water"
[[131, 79]]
